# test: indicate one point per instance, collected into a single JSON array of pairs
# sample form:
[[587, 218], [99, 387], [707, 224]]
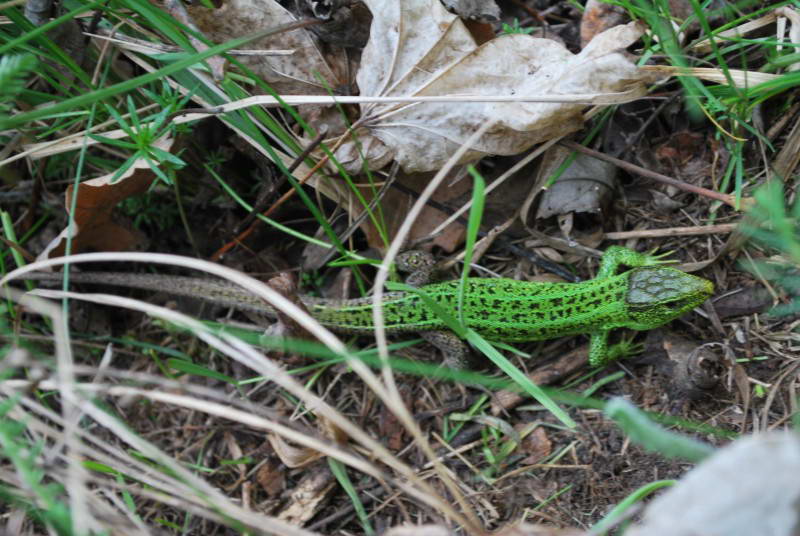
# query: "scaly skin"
[[506, 310]]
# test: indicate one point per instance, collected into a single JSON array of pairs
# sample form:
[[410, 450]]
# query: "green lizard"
[[505, 310]]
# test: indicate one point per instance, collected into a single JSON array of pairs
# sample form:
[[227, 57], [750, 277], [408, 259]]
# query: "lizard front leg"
[[601, 354], [616, 256]]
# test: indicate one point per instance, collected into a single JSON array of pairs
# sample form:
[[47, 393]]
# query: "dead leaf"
[[418, 48], [236, 453], [664, 203], [332, 431], [216, 64], [390, 428], [587, 185], [396, 204], [392, 432], [306, 499], [599, 16], [271, 476], [551, 255], [96, 227], [536, 446], [292, 456]]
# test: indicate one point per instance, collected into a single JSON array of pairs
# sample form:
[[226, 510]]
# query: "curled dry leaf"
[[291, 456], [295, 457], [536, 446], [417, 48], [307, 498], [95, 225], [692, 370], [586, 185]]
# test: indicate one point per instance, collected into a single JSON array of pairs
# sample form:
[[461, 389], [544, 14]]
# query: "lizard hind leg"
[[457, 355], [419, 264]]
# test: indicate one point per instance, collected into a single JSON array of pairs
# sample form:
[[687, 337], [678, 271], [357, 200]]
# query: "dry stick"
[[294, 165], [19, 249], [721, 228], [633, 168]]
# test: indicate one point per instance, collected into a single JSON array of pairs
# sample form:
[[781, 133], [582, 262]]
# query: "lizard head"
[[658, 294]]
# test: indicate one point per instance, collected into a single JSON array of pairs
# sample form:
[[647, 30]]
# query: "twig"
[[721, 228], [638, 170]]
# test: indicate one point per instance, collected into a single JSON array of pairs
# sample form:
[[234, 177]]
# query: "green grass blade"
[[128, 85], [473, 226], [653, 437], [339, 471]]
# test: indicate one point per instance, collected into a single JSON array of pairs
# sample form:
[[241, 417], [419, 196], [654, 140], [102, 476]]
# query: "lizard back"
[[498, 309]]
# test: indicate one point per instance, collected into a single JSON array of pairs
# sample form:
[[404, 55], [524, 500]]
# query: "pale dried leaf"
[[307, 498], [586, 185], [291, 456], [417, 48]]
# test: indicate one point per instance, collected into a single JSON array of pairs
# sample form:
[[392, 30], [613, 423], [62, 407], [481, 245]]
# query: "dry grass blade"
[[259, 363]]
